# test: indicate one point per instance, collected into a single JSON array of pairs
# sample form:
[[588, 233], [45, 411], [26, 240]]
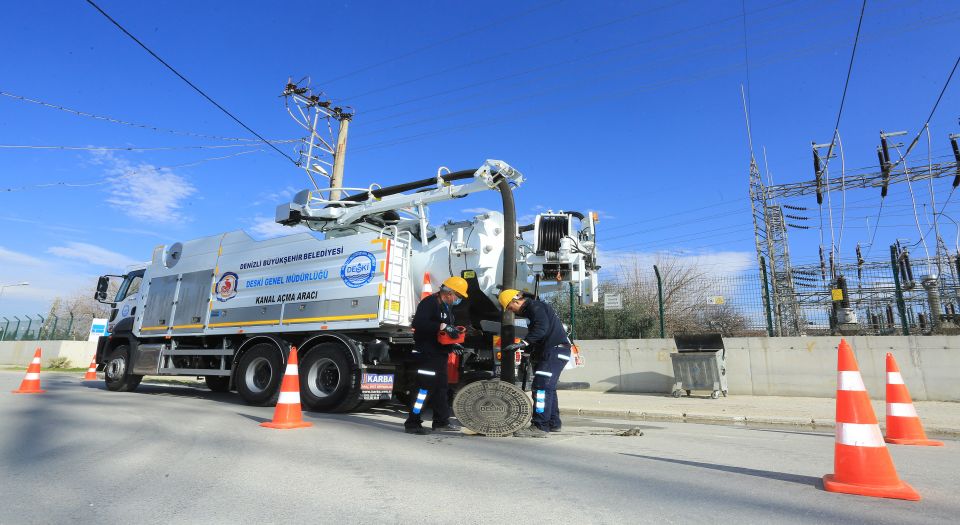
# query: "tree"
[[82, 307]]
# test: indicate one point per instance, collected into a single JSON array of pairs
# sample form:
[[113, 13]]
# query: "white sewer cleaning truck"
[[229, 308]]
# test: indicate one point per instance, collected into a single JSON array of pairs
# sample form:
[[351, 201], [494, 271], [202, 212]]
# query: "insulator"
[[798, 226], [796, 217], [796, 208], [885, 169], [956, 156], [823, 266]]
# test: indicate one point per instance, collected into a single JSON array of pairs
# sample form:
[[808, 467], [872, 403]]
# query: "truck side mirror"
[[102, 283]]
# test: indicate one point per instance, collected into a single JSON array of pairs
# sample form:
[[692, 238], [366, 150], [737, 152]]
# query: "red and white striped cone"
[[903, 423], [427, 290], [287, 414], [862, 464], [91, 370], [31, 381]]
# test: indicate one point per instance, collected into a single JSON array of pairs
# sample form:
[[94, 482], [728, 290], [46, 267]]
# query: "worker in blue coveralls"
[[549, 349], [434, 314]]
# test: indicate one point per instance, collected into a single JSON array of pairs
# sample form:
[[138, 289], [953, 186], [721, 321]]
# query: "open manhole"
[[492, 408]]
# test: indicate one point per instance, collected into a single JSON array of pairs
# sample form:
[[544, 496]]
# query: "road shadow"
[[768, 474], [154, 389], [254, 418]]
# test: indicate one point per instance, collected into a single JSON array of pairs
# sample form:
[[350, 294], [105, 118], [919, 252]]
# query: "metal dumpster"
[[699, 364]]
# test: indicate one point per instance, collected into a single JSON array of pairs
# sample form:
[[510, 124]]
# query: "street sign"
[[97, 328], [612, 302]]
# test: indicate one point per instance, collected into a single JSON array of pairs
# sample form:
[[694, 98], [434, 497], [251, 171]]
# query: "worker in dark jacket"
[[434, 314], [549, 349]]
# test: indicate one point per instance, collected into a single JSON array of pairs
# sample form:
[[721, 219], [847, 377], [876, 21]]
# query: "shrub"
[[59, 362]]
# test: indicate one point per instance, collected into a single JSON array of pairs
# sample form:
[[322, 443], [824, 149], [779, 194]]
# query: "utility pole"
[[320, 148], [340, 156]]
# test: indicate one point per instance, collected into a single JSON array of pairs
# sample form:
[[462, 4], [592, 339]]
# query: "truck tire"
[[259, 373], [116, 371], [328, 382], [217, 383]]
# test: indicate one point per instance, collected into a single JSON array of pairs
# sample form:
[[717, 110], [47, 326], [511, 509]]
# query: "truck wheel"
[[116, 371], [259, 373], [327, 381], [218, 383]]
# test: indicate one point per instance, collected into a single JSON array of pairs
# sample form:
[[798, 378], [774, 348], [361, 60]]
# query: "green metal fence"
[[37, 327]]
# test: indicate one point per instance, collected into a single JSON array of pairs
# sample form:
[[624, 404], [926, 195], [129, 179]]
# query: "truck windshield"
[[129, 286]]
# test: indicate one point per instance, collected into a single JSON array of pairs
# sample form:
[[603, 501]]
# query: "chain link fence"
[[45, 328]]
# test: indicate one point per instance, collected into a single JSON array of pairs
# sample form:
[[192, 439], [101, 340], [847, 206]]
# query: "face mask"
[[457, 301]]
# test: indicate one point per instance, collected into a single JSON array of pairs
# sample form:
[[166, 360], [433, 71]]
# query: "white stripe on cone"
[[288, 398], [901, 410], [850, 381], [291, 370], [36, 361], [32, 375], [859, 435], [894, 378]]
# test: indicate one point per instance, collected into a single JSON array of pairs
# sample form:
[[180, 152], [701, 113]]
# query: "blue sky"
[[628, 108]]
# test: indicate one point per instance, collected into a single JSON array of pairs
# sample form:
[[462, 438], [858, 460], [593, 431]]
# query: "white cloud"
[[144, 191], [477, 210], [89, 253], [266, 228], [276, 197]]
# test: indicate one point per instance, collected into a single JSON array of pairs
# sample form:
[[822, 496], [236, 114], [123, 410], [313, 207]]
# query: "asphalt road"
[[175, 454]]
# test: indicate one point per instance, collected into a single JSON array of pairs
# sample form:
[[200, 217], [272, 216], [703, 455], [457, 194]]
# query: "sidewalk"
[[939, 418]]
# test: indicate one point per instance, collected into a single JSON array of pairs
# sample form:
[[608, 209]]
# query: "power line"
[[191, 84], [516, 50], [116, 120], [932, 111], [102, 181], [457, 36], [620, 47], [515, 115], [128, 148]]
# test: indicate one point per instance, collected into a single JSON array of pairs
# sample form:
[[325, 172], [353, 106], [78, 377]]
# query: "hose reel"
[[550, 230]]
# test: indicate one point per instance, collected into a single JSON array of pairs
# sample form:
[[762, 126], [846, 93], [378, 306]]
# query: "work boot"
[[449, 427], [530, 432], [420, 431]]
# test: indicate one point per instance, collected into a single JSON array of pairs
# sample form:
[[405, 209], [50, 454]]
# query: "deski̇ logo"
[[227, 286], [358, 269]]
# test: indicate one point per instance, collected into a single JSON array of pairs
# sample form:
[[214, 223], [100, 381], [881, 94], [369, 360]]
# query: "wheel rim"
[[115, 368], [259, 375], [323, 377]]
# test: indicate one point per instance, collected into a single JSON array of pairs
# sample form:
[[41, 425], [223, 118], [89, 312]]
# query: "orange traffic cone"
[[862, 463], [287, 414], [427, 287], [31, 381], [91, 370], [903, 424]]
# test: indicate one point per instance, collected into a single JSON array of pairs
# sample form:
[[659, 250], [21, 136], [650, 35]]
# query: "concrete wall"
[[19, 353], [783, 366]]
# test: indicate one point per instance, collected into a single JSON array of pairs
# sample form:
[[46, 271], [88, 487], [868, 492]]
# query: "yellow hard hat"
[[508, 295], [457, 284]]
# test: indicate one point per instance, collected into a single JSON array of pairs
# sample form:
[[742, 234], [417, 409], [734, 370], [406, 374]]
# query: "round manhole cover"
[[492, 408]]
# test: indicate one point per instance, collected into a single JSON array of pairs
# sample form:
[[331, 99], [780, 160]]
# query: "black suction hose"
[[507, 372]]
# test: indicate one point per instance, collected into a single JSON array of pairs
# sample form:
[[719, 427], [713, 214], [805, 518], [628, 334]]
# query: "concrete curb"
[[712, 419]]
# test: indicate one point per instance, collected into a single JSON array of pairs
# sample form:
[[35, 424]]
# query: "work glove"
[[457, 349], [522, 346], [452, 331]]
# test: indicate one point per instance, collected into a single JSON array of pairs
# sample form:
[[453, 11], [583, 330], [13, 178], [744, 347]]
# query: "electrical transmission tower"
[[323, 145], [770, 236], [770, 227]]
